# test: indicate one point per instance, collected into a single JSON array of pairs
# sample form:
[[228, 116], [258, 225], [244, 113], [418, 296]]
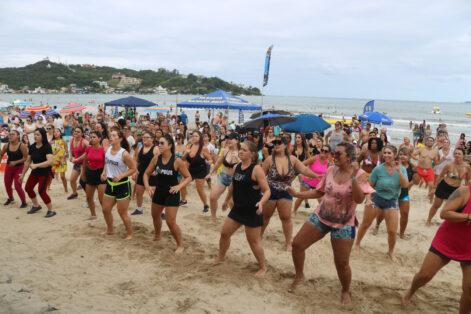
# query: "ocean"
[[401, 111]]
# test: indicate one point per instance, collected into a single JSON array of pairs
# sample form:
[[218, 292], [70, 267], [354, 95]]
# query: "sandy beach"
[[63, 263]]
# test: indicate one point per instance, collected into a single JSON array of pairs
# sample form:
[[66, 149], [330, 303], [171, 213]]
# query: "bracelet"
[[354, 179]]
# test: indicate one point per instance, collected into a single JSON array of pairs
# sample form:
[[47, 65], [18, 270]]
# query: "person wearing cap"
[[336, 136], [281, 168], [229, 158]]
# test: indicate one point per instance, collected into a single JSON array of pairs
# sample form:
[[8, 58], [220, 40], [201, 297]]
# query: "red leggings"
[[13, 174], [43, 182]]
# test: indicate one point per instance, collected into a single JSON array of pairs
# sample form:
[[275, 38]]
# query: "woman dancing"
[[40, 160], [229, 159], [17, 154], [248, 184], [77, 148], [119, 165], [167, 194], [451, 242], [343, 187], [61, 154], [450, 179], [281, 169], [197, 156]]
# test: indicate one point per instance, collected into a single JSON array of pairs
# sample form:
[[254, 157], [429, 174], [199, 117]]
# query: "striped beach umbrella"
[[24, 115], [37, 108], [156, 109], [73, 107]]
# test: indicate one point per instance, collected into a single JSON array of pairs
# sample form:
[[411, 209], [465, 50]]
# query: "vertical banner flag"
[[241, 116], [267, 66], [369, 107]]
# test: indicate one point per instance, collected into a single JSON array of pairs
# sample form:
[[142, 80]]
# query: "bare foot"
[[104, 233], [406, 299], [217, 261], [212, 220], [155, 238], [346, 297], [91, 218], [295, 284], [392, 257], [289, 247], [356, 249], [128, 237], [404, 236], [375, 230], [261, 272], [179, 249]]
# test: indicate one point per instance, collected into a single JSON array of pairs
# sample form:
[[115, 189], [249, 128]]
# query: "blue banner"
[[369, 106], [267, 66]]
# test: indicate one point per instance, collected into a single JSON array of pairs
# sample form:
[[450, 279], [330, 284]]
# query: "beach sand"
[[63, 263]]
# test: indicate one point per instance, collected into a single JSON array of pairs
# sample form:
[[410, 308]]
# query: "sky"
[[381, 49]]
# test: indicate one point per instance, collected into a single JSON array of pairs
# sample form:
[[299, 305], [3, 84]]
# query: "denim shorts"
[[347, 232], [307, 186], [383, 203], [279, 194], [77, 167], [224, 179]]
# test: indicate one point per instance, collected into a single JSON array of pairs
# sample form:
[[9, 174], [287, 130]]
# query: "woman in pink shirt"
[[93, 163], [343, 187], [451, 242]]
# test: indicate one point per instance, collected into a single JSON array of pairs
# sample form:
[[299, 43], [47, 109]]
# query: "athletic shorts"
[[140, 180], [224, 179], [383, 203], [347, 232], [164, 198], [444, 190], [279, 194], [118, 190], [427, 174], [93, 176]]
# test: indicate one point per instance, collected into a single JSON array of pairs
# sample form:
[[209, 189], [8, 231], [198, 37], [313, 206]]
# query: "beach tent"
[[130, 102], [219, 100], [376, 118], [306, 123], [269, 119]]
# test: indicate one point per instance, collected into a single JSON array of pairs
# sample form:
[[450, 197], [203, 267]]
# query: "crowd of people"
[[125, 155]]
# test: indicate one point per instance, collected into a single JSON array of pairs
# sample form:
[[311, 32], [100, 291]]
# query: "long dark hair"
[[201, 143], [60, 131], [105, 129], [124, 141], [260, 142], [170, 141], [303, 143], [379, 143], [43, 136]]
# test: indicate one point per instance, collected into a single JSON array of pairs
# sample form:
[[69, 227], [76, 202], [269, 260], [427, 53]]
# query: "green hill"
[[52, 75]]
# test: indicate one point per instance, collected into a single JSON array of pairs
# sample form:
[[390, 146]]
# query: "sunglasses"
[[325, 151], [48, 128], [338, 154]]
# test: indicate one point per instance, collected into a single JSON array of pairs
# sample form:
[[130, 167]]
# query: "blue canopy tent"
[[130, 102], [220, 100], [376, 118], [306, 123]]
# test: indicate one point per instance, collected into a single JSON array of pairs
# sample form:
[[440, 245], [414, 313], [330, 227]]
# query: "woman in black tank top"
[[248, 184], [167, 194], [143, 157], [196, 155], [17, 154]]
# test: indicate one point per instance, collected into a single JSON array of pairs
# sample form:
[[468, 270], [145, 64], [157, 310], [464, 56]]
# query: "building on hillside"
[[160, 90], [4, 88], [101, 84], [89, 66], [129, 81], [117, 76]]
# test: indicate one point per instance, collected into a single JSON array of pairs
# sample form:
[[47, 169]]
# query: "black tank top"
[[301, 157], [166, 174], [145, 159], [14, 156], [197, 163], [245, 196]]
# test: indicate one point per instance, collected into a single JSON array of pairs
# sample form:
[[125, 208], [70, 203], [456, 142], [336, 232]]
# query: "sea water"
[[401, 111]]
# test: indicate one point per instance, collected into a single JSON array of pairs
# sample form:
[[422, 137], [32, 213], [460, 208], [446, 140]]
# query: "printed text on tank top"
[[240, 176], [277, 180], [114, 163], [166, 173]]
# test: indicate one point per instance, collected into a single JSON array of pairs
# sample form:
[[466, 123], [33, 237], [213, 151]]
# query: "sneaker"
[[162, 216], [306, 205], [206, 209], [183, 203], [8, 202], [33, 210], [72, 196], [137, 212], [23, 205], [50, 214]]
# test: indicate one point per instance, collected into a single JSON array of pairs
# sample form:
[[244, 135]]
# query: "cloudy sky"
[[382, 49]]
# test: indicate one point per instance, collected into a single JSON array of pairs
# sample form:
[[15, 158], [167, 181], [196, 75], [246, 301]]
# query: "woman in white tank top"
[[119, 165]]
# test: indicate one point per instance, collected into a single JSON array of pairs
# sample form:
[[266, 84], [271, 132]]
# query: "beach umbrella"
[[4, 104], [24, 115], [37, 108], [269, 119], [376, 118], [156, 109], [261, 113], [73, 107], [306, 123]]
